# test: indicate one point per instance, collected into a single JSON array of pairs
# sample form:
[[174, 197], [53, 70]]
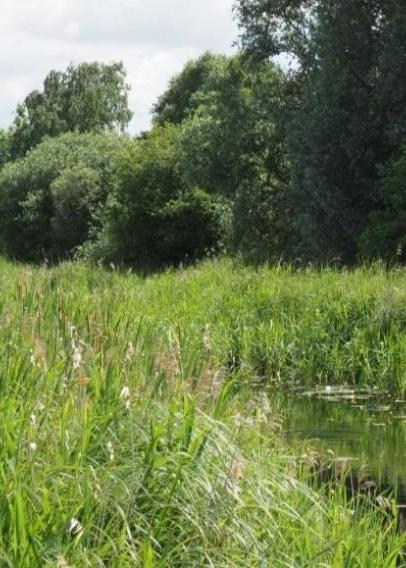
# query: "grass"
[[133, 432]]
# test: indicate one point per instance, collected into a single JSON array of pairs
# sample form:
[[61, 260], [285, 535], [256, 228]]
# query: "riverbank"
[[134, 435]]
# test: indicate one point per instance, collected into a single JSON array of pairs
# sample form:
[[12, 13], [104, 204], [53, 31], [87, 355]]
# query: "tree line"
[[305, 159]]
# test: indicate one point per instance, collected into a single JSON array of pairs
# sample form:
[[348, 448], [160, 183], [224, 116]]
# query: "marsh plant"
[[133, 432]]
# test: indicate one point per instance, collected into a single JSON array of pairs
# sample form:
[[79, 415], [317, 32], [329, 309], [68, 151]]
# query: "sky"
[[154, 39]]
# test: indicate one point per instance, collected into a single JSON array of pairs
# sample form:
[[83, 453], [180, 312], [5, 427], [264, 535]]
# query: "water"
[[366, 429]]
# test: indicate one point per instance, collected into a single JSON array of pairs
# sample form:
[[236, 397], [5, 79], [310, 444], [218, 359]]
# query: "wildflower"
[[383, 502], [125, 396], [32, 448], [61, 562], [77, 357], [33, 420], [75, 527], [110, 450]]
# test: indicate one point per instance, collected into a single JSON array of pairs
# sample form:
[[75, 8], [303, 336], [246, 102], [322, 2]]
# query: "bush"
[[155, 219], [51, 200]]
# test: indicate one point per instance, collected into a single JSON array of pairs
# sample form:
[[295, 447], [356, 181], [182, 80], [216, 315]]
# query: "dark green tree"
[[5, 141], [89, 97], [52, 200], [232, 144], [350, 117], [385, 234], [155, 219], [182, 94]]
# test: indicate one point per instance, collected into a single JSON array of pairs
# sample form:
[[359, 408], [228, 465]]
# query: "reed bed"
[[137, 425]]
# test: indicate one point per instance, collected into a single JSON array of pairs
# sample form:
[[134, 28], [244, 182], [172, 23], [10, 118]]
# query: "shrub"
[[50, 200], [154, 218]]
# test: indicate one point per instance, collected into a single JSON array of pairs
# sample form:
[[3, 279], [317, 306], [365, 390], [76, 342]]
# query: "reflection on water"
[[367, 428]]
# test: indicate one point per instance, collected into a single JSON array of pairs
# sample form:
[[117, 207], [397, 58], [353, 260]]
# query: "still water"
[[362, 427]]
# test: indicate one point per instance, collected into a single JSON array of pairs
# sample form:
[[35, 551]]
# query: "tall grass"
[[130, 433]]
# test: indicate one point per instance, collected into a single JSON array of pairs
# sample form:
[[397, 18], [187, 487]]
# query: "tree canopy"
[[52, 199], [350, 113], [89, 97], [303, 162]]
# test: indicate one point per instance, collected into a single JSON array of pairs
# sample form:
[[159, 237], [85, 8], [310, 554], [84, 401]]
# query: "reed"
[[133, 432]]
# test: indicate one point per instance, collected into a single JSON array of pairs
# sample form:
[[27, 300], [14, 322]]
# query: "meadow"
[[137, 423]]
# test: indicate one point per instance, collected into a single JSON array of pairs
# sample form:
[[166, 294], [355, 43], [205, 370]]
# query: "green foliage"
[[350, 114], [4, 147], [232, 144], [271, 27], [78, 198], [183, 92], [50, 201], [155, 218], [89, 97], [385, 235]]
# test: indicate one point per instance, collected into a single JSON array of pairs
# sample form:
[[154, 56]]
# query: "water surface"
[[363, 427]]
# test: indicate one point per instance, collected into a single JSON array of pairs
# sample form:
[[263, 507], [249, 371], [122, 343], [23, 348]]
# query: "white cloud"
[[72, 29], [154, 38]]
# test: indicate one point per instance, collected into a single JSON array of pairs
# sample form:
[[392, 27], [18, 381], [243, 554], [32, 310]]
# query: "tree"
[[232, 145], [182, 94], [155, 219], [385, 234], [51, 200], [350, 117], [4, 147], [89, 97]]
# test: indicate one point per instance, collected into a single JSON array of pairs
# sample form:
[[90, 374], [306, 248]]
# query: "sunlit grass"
[[131, 434]]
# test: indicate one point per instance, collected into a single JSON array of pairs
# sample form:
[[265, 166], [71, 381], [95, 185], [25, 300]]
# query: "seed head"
[[110, 450], [125, 396], [237, 471]]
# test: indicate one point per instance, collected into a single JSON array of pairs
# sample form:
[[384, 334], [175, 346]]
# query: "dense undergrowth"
[[131, 431]]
